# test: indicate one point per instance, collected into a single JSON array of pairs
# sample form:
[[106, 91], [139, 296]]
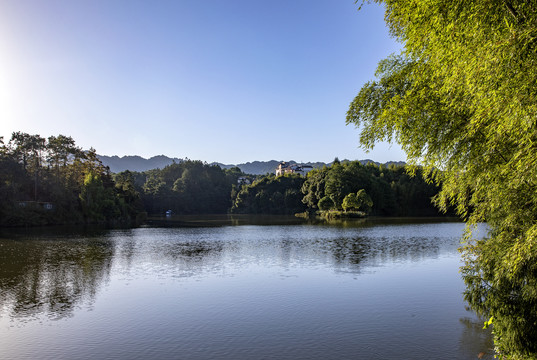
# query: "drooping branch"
[[511, 10]]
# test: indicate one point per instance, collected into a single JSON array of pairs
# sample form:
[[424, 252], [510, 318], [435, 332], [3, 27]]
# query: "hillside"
[[138, 163]]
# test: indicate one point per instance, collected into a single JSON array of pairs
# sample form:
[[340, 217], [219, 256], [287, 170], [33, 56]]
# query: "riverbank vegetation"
[[371, 189], [461, 101], [52, 181], [188, 187]]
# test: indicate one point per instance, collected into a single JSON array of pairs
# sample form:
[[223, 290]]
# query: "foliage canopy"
[[52, 181], [390, 189], [461, 99]]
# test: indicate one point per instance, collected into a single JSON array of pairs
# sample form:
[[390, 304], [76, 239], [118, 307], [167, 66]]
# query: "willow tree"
[[461, 99]]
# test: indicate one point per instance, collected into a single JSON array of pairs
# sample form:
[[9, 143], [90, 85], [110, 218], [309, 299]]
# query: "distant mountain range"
[[264, 167], [138, 163]]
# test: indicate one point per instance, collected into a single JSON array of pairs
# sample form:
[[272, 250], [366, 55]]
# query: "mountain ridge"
[[137, 163]]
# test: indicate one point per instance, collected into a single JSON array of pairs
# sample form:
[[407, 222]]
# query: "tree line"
[[390, 189], [53, 181], [188, 187]]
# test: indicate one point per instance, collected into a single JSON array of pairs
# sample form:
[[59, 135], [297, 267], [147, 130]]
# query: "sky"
[[227, 81]]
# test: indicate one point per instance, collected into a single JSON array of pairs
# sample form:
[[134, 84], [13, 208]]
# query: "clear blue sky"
[[229, 81]]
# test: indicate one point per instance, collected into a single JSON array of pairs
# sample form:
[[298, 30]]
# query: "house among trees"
[[287, 168], [243, 181], [36, 205]]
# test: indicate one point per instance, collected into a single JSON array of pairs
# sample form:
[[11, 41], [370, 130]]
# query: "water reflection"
[[353, 251], [242, 219], [190, 251], [371, 251], [53, 272], [310, 291], [52, 276], [474, 338]]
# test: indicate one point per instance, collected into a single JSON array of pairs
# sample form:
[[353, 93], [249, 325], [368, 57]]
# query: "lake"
[[368, 289]]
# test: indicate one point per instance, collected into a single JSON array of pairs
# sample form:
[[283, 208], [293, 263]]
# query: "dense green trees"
[[189, 187], [461, 100], [379, 190], [390, 189], [52, 181], [326, 203], [271, 195], [97, 202], [359, 201], [55, 182], [37, 173]]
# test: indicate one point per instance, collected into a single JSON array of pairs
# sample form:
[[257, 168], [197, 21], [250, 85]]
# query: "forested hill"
[[137, 163], [46, 181], [268, 167], [265, 167]]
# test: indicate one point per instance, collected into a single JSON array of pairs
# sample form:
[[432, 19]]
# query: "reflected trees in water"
[[51, 277]]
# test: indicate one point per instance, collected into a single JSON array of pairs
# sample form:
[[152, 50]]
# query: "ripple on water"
[[301, 291]]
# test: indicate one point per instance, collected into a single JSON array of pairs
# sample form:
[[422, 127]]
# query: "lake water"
[[355, 290]]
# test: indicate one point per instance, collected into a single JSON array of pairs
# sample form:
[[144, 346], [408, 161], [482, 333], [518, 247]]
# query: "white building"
[[285, 168]]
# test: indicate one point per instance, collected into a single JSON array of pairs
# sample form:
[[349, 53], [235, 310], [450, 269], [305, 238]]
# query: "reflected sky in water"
[[362, 291]]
